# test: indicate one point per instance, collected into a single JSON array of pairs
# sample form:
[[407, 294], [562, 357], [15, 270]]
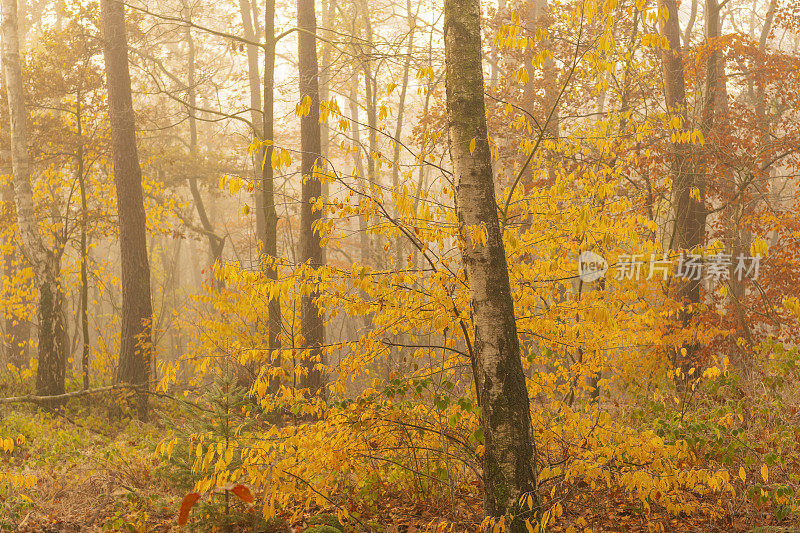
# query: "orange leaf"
[[186, 505], [243, 493]]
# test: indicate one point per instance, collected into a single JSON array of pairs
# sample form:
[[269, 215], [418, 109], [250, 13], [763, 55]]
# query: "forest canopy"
[[383, 266]]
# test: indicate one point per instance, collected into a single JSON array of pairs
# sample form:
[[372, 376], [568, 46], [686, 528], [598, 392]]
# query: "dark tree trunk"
[[311, 323], [136, 349], [508, 459], [690, 212], [270, 237]]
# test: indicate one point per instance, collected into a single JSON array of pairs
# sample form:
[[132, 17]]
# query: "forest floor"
[[93, 474]]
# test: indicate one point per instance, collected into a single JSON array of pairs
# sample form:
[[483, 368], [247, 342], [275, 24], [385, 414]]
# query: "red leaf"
[[243, 493], [186, 505]]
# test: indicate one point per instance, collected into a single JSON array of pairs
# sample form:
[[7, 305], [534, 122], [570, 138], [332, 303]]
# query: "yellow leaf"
[[472, 146], [529, 526], [765, 473], [742, 474]]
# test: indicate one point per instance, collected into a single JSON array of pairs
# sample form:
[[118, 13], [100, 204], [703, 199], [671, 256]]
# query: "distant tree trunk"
[[270, 237], [687, 35], [328, 11], [216, 244], [539, 17], [371, 104], [84, 294], [743, 206], [364, 240], [399, 127], [688, 186], [46, 263], [495, 72], [508, 460], [311, 323], [248, 10], [136, 342]]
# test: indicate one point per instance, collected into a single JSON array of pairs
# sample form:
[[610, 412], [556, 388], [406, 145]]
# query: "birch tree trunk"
[[45, 262], [311, 324], [508, 459], [136, 345]]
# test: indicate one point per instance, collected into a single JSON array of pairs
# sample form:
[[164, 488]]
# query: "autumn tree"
[[136, 351], [508, 460]]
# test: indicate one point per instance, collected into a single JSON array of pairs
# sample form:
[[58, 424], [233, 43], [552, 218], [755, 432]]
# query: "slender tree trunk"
[[311, 322], [328, 10], [508, 460], [84, 250], [399, 127], [687, 35], [51, 348], [216, 244], [248, 10], [136, 342], [501, 8], [371, 104], [359, 165], [270, 237], [539, 17]]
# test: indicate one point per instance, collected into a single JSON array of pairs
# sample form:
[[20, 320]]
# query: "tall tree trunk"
[[84, 295], [52, 348], [311, 323], [270, 217], [136, 342], [688, 186], [508, 458]]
